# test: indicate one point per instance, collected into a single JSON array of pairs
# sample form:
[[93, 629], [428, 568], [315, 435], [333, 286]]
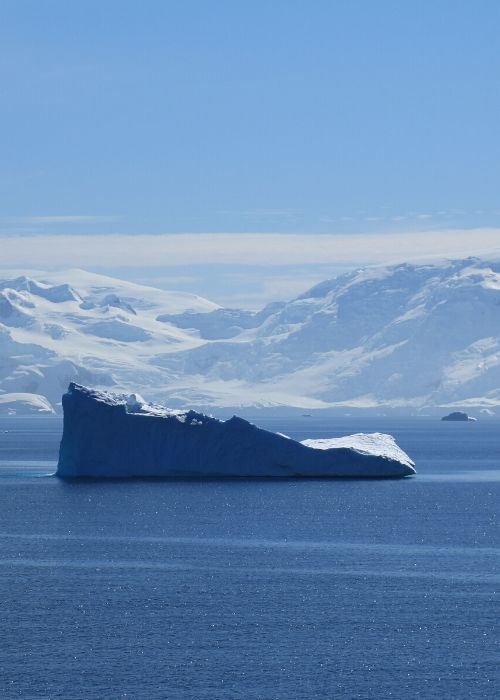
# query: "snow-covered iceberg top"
[[108, 435]]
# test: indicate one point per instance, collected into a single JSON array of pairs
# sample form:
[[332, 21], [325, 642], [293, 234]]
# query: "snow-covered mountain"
[[92, 328], [406, 337]]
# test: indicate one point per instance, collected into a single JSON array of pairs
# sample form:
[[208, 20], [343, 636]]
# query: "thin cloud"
[[286, 212], [58, 219], [170, 250]]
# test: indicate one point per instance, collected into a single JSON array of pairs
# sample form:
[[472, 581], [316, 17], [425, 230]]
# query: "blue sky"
[[285, 116]]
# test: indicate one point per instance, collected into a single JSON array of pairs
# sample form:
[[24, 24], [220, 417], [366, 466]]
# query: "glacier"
[[108, 435], [24, 403], [97, 330], [408, 338]]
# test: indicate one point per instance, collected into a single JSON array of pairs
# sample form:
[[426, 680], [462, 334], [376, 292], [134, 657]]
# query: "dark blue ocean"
[[254, 590]]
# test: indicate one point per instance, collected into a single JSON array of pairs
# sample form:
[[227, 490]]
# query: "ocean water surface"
[[254, 589]]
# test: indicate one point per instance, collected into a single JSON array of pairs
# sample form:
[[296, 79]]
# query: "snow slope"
[[406, 337], [94, 329], [107, 435], [13, 404]]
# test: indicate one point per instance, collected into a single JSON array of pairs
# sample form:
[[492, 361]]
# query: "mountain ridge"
[[404, 337]]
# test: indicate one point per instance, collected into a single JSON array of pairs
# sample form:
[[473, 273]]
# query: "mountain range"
[[408, 338]]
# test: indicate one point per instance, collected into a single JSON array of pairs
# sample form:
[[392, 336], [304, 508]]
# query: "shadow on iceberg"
[[109, 436]]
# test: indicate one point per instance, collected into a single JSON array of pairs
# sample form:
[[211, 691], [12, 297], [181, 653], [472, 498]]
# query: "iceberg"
[[108, 435], [459, 416]]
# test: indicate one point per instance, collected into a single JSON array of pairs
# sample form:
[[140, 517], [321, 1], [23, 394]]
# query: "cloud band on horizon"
[[170, 250]]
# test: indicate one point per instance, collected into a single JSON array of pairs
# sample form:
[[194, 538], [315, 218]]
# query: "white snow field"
[[114, 436], [404, 337], [97, 329], [15, 403]]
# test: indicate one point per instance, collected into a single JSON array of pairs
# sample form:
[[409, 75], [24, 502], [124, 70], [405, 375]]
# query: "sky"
[[246, 150]]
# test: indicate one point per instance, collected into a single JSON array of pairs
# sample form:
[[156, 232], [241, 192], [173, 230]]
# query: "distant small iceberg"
[[116, 436], [459, 416]]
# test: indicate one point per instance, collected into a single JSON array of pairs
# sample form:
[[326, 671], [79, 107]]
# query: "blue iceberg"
[[107, 435]]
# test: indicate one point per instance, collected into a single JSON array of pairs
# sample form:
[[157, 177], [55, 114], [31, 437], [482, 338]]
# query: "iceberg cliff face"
[[107, 435]]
